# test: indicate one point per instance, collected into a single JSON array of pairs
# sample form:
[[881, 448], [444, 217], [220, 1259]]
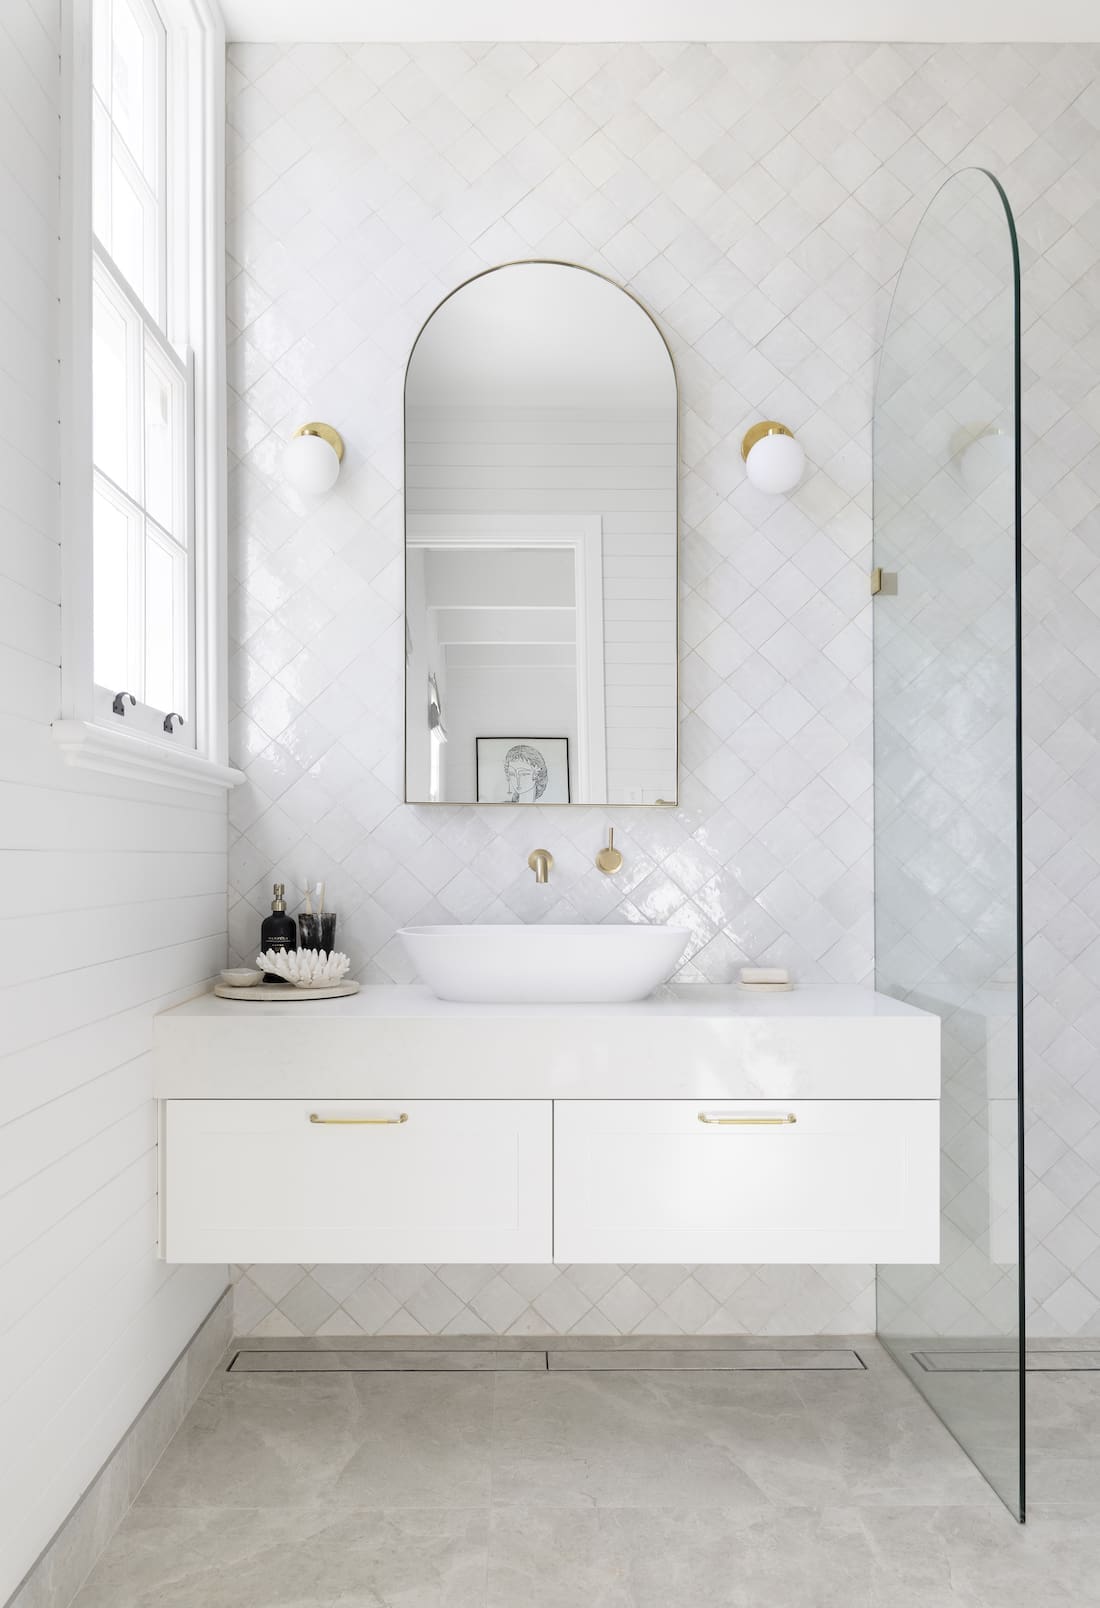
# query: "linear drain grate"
[[741, 1361], [1007, 1361], [611, 1359], [388, 1362]]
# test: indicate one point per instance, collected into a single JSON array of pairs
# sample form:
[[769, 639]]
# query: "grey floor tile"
[[425, 1441], [1064, 1482], [1063, 1440], [827, 1557], [645, 1439], [886, 1448], [277, 1558], [1063, 1429], [679, 1558], [607, 1488], [1063, 1414], [925, 1558], [335, 1440]]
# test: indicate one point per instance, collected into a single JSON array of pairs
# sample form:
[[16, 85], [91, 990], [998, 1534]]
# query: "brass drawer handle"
[[748, 1122], [359, 1122]]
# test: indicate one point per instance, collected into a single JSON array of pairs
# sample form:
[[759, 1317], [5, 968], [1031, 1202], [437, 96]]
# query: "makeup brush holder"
[[317, 931]]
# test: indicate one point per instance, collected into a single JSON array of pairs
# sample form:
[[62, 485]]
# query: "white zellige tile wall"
[[758, 200], [113, 908]]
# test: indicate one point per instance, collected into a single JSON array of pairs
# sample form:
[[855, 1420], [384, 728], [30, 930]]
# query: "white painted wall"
[[113, 906], [538, 702]]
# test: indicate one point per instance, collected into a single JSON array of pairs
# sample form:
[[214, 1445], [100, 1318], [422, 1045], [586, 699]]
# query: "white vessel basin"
[[506, 965]]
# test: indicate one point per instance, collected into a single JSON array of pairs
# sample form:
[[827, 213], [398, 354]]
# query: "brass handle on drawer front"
[[748, 1122], [359, 1122]]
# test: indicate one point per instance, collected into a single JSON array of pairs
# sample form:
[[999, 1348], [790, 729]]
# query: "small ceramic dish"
[[240, 977]]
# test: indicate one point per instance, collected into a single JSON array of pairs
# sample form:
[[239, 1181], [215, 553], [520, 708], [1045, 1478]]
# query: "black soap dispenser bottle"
[[278, 930]]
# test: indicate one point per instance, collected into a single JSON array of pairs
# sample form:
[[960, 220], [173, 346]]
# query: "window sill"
[[141, 759]]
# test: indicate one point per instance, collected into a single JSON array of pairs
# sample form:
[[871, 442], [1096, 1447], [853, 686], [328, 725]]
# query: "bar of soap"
[[765, 974]]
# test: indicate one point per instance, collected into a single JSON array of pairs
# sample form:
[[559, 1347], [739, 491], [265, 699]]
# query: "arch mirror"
[[540, 545]]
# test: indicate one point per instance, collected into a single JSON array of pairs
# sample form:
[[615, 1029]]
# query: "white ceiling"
[[554, 20]]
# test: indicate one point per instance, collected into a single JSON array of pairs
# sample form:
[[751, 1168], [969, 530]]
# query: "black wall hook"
[[168, 719], [118, 706]]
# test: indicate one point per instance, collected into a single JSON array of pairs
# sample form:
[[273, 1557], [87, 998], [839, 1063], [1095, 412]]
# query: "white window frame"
[[89, 733]]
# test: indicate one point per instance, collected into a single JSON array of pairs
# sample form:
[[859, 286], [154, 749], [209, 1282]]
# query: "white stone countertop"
[[684, 1041], [389, 1002]]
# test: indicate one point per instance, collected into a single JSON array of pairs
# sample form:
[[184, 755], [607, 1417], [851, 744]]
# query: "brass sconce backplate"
[[766, 427], [327, 433]]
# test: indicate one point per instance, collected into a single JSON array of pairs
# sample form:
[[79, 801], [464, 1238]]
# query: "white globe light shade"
[[310, 465], [986, 459], [775, 464]]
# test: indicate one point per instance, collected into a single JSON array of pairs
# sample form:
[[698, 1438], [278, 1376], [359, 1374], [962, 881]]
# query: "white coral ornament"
[[305, 968]]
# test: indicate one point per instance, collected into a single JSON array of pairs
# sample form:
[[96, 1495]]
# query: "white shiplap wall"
[[113, 905], [620, 465]]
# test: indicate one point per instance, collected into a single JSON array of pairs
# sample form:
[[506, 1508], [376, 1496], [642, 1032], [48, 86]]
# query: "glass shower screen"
[[947, 809]]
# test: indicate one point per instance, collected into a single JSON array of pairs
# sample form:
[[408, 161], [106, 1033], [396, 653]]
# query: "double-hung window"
[[143, 561], [143, 475]]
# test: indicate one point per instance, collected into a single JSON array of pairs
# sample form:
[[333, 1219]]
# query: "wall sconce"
[[981, 454], [774, 460], [311, 460]]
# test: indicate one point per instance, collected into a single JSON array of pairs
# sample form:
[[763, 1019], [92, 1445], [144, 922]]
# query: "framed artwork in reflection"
[[522, 770]]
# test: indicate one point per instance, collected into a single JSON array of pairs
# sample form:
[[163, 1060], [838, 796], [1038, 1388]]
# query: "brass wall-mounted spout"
[[540, 861]]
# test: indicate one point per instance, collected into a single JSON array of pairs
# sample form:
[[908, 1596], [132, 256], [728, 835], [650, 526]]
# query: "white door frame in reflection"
[[582, 534]]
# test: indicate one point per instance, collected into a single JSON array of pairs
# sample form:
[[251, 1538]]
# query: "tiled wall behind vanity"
[[758, 200]]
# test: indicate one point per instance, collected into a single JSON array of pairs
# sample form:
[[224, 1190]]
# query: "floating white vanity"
[[700, 1125]]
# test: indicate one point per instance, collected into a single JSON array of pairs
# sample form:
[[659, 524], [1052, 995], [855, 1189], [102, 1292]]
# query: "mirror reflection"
[[540, 562]]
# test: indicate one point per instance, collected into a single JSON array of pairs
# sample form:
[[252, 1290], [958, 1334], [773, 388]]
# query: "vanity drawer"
[[357, 1181], [757, 1181]]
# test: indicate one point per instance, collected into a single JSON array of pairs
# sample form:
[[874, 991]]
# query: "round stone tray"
[[264, 993]]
